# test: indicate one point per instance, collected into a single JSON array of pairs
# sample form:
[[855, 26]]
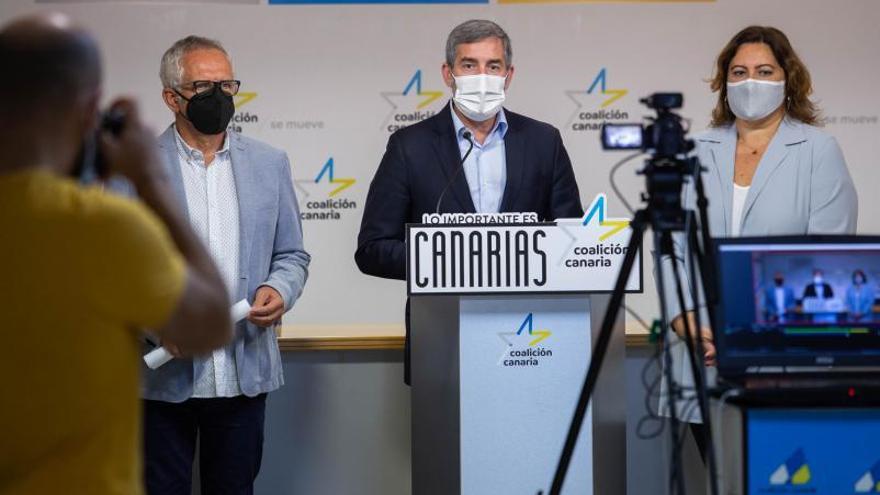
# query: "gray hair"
[[473, 31], [170, 70]]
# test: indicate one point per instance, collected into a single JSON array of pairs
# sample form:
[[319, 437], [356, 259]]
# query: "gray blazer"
[[801, 186], [271, 253]]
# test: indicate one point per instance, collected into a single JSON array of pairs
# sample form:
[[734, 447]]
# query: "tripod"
[[665, 216]]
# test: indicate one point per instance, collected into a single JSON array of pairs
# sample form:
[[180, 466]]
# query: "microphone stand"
[[467, 135]]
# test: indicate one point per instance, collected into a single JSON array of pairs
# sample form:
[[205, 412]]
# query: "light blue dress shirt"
[[486, 167]]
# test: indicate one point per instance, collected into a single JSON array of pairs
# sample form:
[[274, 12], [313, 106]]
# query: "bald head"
[[47, 65]]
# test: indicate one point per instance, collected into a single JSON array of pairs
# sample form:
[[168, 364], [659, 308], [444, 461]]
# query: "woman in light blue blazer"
[[859, 296], [769, 170]]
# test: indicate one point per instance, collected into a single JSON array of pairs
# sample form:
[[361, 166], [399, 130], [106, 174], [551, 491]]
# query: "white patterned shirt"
[[212, 202]]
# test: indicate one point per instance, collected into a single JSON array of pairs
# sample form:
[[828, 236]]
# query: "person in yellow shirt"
[[83, 273]]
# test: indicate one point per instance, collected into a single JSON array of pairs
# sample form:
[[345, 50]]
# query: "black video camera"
[[663, 137], [669, 165], [90, 163]]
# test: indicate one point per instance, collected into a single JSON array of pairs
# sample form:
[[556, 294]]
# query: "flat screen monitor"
[[798, 303]]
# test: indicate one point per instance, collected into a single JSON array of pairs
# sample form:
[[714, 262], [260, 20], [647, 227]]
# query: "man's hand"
[[708, 346], [267, 308], [134, 153], [172, 348], [705, 335]]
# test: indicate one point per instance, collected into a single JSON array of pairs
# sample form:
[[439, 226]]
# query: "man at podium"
[[471, 157], [818, 288]]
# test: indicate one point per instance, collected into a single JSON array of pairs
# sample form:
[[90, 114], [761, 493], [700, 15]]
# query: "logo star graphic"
[[596, 210], [242, 98], [413, 87], [870, 481], [794, 471], [326, 171], [578, 96], [527, 324]]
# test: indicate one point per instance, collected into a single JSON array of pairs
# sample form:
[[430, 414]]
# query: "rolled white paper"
[[239, 311], [159, 356]]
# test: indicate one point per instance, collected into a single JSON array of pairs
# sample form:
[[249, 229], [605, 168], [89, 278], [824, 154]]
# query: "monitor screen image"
[[799, 302]]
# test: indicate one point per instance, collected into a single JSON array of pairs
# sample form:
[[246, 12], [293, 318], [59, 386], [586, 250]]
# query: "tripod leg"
[[696, 353], [689, 332], [705, 256], [638, 226], [695, 253], [663, 244]]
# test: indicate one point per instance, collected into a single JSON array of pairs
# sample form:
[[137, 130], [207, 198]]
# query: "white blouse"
[[739, 201]]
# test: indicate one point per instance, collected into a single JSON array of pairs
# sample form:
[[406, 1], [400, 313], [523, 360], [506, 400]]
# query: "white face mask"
[[479, 97], [755, 99], [817, 279]]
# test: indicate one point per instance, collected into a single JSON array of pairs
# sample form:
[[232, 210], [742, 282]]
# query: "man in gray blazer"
[[239, 195]]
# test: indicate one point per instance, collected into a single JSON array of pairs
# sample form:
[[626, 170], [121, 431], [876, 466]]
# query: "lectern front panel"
[[522, 362]]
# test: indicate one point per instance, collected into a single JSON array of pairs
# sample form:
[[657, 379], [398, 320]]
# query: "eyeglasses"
[[229, 87]]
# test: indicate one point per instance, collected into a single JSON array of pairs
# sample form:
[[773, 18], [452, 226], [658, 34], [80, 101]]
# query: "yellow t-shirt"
[[80, 272]]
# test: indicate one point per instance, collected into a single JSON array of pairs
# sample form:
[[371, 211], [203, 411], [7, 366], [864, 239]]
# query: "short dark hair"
[[46, 68]]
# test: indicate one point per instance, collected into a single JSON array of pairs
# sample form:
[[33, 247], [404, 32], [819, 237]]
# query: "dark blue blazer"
[[421, 159]]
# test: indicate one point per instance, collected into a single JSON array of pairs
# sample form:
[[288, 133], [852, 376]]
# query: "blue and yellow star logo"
[[243, 98], [870, 481], [429, 96], [794, 471], [413, 88], [597, 210], [614, 94], [528, 324], [326, 174], [600, 83]]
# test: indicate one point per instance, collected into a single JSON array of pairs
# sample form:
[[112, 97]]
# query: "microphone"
[[467, 135]]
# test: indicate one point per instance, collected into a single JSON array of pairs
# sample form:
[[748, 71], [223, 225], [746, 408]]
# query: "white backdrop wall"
[[322, 81]]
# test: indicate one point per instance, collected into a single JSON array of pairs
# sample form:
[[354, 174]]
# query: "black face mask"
[[211, 111], [779, 282]]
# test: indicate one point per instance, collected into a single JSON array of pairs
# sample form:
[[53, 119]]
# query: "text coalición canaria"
[[473, 258]]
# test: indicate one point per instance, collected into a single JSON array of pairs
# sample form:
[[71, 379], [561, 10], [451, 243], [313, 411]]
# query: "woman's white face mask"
[[755, 99]]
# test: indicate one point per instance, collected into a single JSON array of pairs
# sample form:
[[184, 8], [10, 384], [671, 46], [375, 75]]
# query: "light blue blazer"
[[801, 186], [861, 302], [271, 253], [789, 301]]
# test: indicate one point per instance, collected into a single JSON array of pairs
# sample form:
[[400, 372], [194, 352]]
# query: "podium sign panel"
[[564, 256], [522, 364]]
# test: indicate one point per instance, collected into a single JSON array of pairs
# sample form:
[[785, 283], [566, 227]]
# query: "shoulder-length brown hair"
[[798, 85]]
